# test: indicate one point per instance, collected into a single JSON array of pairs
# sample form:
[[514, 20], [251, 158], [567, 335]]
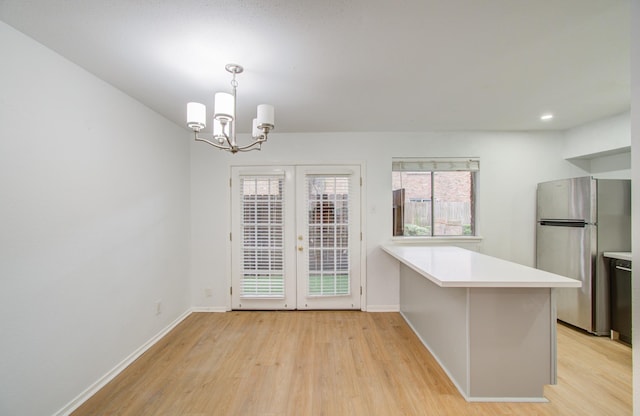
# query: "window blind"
[[328, 206], [435, 164], [262, 226]]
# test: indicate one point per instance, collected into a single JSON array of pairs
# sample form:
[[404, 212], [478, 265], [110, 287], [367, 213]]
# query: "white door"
[[328, 226], [295, 237]]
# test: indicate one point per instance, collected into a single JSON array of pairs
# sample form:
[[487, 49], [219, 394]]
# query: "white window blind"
[[262, 227], [328, 235], [436, 164]]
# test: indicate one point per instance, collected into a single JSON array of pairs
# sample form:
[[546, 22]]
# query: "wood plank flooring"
[[337, 363]]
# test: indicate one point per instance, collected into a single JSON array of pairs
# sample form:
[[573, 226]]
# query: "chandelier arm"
[[200, 139], [255, 145], [249, 146], [226, 137]]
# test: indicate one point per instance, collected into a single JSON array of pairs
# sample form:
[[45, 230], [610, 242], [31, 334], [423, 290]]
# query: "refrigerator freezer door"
[[569, 251], [568, 199]]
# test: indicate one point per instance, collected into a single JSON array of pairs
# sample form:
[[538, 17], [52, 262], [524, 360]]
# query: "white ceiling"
[[353, 65]]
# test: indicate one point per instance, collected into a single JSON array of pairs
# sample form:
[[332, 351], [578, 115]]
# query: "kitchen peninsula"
[[490, 323]]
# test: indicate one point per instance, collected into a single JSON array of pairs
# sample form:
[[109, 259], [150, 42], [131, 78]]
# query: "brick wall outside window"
[[453, 202]]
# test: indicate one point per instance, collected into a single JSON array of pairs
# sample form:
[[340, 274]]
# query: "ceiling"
[[353, 65]]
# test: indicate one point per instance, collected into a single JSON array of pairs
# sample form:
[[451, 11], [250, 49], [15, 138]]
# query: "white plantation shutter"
[[262, 227], [328, 206]]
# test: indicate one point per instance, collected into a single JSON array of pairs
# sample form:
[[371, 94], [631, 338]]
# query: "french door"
[[295, 237]]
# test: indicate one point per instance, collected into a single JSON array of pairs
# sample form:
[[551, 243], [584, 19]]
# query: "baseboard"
[[383, 308], [507, 399], [209, 309], [93, 389]]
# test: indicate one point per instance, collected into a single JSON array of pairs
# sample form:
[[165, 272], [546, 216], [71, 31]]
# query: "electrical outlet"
[[158, 306], [208, 292]]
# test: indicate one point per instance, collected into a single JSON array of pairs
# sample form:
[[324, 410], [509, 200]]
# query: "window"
[[262, 228], [328, 222], [434, 197]]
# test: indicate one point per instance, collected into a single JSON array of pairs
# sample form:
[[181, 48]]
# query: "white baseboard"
[[209, 309], [383, 308], [100, 383]]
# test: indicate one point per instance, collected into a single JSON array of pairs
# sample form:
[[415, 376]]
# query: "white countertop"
[[620, 255], [449, 266]]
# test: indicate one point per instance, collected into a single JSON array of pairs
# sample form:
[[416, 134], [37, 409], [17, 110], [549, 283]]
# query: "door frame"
[[363, 211]]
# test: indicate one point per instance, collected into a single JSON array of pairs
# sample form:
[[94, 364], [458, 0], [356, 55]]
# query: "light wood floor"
[[338, 363]]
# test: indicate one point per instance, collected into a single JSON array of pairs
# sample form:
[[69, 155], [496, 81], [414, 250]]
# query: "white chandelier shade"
[[196, 116], [224, 106], [224, 118]]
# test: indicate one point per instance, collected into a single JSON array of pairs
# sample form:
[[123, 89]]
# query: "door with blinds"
[[296, 237], [328, 233]]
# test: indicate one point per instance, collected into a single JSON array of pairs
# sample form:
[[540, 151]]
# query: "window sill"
[[454, 239]]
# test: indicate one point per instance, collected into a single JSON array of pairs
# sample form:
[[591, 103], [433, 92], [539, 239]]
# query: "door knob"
[[300, 248]]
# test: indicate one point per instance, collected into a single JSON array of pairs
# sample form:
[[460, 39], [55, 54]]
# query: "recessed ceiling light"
[[546, 117]]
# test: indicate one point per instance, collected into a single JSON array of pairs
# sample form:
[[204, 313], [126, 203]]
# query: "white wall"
[[617, 166], [600, 137], [602, 148], [94, 220], [511, 166], [635, 194]]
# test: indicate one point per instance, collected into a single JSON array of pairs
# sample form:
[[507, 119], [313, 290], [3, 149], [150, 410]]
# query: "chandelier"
[[224, 119]]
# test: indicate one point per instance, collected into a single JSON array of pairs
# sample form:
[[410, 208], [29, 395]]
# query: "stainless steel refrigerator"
[[577, 220]]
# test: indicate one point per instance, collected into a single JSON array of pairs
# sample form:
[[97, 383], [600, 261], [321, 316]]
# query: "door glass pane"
[[328, 233], [263, 237]]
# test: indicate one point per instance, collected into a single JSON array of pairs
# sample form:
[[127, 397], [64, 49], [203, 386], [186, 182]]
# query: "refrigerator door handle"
[[563, 223]]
